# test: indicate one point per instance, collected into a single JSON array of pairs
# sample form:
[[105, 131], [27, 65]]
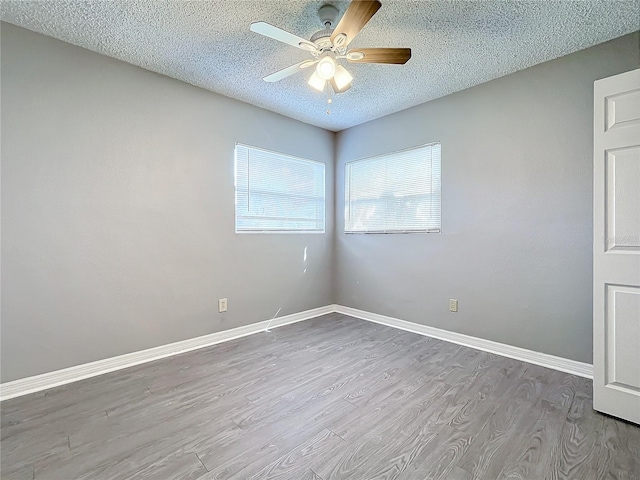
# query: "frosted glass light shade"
[[342, 78], [326, 68], [317, 82]]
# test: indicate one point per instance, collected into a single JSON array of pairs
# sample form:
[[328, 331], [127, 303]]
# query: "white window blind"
[[278, 193], [394, 193]]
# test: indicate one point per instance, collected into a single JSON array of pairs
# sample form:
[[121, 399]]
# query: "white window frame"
[[347, 204], [276, 231]]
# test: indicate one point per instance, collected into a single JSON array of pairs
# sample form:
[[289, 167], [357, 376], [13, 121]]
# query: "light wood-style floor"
[[329, 398]]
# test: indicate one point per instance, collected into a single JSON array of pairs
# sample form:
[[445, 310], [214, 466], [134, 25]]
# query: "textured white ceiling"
[[455, 45]]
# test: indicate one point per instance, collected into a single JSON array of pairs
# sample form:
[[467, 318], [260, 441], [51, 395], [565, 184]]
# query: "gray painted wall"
[[118, 210], [515, 249]]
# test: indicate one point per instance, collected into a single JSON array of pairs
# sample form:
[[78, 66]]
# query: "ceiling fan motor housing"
[[322, 38]]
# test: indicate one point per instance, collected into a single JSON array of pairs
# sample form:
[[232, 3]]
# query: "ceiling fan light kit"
[[330, 45], [341, 81], [317, 82], [326, 68]]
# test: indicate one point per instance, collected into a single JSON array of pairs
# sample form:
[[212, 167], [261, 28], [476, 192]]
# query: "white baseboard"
[[44, 381], [48, 380], [543, 359]]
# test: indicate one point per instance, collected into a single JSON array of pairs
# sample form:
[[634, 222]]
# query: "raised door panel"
[[623, 338], [623, 199], [622, 109]]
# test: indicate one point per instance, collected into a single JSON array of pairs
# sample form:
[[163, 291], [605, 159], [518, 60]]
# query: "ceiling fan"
[[330, 45]]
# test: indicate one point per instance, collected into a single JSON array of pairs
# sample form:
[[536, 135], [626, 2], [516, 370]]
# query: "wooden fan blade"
[[356, 17], [397, 56], [285, 72], [268, 30]]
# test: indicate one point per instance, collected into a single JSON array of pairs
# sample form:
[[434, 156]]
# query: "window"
[[278, 193], [394, 193]]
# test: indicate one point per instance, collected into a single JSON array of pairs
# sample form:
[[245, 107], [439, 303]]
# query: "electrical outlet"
[[222, 305], [453, 305]]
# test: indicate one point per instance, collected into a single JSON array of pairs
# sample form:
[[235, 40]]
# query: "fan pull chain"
[[329, 99]]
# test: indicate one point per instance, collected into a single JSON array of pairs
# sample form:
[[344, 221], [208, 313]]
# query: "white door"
[[616, 246]]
